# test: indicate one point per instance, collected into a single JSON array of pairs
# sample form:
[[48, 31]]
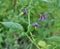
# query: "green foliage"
[[17, 31]]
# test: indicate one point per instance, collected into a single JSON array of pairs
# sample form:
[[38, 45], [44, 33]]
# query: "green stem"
[[29, 15], [33, 41], [29, 27], [29, 19], [32, 36]]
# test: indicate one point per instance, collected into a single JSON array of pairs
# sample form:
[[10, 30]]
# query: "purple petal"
[[24, 11], [44, 15], [40, 16], [35, 24]]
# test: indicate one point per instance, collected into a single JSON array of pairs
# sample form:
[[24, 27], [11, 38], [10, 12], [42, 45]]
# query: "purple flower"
[[24, 11], [42, 16], [35, 24]]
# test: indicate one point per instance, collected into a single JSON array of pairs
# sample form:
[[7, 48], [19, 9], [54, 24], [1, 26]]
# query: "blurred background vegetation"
[[16, 30]]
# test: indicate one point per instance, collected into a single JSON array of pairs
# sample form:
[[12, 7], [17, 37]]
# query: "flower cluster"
[[42, 17]]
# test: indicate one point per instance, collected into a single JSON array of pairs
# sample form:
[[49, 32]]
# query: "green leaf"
[[13, 25], [1, 40], [55, 38]]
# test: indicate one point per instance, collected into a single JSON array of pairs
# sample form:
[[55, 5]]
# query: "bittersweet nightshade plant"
[[42, 16], [35, 24]]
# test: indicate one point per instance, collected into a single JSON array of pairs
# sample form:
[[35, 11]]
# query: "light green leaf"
[[13, 25]]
